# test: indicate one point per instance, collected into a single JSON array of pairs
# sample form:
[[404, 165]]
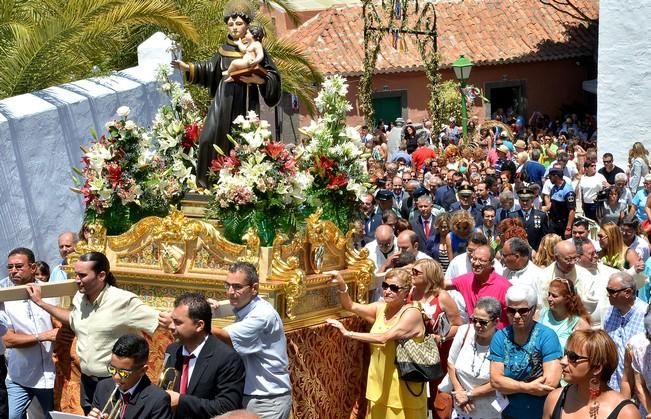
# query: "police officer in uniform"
[[535, 221], [563, 204]]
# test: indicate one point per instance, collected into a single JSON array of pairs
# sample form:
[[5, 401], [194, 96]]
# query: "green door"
[[387, 109]]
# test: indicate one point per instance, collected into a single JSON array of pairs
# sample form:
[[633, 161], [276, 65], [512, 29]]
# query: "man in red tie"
[[212, 373], [128, 367]]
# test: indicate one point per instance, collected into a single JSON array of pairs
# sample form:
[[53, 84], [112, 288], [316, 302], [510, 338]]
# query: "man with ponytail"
[[101, 313]]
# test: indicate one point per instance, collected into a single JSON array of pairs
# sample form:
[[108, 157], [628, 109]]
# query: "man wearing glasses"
[[141, 399], [258, 337], [624, 319], [610, 170]]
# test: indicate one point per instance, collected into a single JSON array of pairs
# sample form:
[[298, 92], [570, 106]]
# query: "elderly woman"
[[590, 359], [524, 357], [393, 319], [468, 367]]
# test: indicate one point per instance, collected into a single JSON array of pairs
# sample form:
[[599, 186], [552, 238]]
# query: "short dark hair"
[[247, 269], [100, 263], [23, 251], [631, 222], [581, 222], [477, 237], [488, 208], [132, 346], [607, 156], [519, 246], [198, 308]]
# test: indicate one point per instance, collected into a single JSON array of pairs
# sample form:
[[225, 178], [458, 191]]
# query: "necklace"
[[472, 366]]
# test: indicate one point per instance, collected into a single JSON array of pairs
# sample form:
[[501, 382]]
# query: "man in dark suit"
[[423, 225], [447, 194], [535, 222], [466, 202], [141, 399], [211, 372], [369, 217]]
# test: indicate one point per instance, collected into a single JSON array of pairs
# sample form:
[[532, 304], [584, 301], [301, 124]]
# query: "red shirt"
[[472, 291], [419, 156]]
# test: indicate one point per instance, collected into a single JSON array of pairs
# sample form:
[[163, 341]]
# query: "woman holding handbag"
[[393, 319], [443, 320], [468, 365]]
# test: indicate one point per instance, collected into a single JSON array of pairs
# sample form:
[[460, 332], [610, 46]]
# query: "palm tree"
[[50, 42]]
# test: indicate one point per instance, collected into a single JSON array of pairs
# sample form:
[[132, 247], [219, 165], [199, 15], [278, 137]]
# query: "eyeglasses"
[[236, 287], [416, 272], [612, 291], [607, 161], [391, 287], [574, 358], [521, 311], [121, 372], [477, 260], [481, 322]]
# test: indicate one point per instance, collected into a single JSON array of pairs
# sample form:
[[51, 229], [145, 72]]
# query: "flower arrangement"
[[116, 169], [258, 184], [334, 155], [175, 134]]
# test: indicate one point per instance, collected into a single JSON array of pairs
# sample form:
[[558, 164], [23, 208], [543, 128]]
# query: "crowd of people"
[[537, 261]]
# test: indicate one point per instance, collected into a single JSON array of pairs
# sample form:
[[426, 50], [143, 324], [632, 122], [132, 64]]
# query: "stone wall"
[[40, 135], [624, 77]]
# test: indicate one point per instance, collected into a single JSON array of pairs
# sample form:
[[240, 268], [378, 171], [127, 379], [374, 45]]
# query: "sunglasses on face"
[[481, 322], [416, 272], [121, 372], [574, 358], [391, 287], [613, 291], [521, 311]]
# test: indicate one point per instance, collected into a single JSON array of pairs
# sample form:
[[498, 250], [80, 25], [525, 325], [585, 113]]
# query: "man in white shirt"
[[381, 252], [518, 267], [29, 337], [596, 299]]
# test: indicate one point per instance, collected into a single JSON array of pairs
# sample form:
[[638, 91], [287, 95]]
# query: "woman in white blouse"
[[468, 364], [590, 184]]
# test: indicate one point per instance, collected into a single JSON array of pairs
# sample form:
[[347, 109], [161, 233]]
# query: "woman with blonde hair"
[[461, 227], [441, 310], [545, 252], [638, 160], [614, 252], [393, 319], [589, 360]]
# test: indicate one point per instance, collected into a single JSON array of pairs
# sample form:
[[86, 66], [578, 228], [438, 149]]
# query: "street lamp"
[[462, 67]]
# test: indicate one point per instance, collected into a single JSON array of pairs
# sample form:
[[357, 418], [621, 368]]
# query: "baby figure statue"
[[251, 46]]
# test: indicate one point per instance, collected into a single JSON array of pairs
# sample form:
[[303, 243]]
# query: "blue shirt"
[[524, 363], [58, 274], [639, 200], [621, 329], [258, 337]]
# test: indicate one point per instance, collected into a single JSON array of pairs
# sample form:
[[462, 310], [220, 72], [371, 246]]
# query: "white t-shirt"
[[473, 369], [590, 186]]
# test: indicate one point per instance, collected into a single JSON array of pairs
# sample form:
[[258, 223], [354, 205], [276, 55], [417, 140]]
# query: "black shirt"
[[610, 177]]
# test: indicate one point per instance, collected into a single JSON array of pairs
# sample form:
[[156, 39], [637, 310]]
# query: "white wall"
[[40, 135], [624, 82]]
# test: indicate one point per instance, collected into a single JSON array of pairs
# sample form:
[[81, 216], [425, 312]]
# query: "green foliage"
[[50, 42], [448, 103]]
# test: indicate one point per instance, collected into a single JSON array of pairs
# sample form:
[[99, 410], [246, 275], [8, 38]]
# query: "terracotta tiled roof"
[[489, 32]]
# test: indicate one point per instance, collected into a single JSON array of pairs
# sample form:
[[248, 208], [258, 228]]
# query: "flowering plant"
[[116, 171], [334, 155], [258, 184], [175, 133]]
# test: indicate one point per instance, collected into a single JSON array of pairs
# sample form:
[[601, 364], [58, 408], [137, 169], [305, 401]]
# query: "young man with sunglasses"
[[128, 367], [624, 319]]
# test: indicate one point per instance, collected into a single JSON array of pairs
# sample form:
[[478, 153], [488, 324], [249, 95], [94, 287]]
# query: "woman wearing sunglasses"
[[524, 357], [468, 365], [392, 320], [566, 312], [443, 318], [590, 359]]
